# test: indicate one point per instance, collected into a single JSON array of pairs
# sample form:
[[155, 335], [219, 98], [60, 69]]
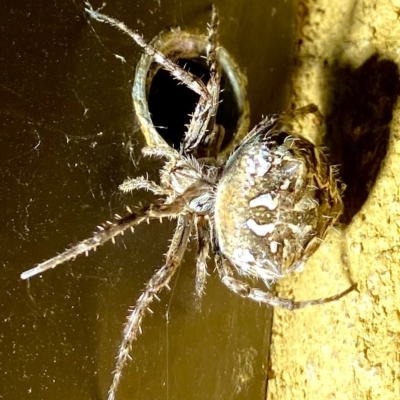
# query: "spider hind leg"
[[157, 282], [203, 240], [245, 290]]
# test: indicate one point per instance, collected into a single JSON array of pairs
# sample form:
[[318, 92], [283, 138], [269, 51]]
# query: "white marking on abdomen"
[[260, 230], [263, 165], [273, 246], [265, 200]]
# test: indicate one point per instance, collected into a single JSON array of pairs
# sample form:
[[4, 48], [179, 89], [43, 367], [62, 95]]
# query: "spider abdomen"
[[274, 203]]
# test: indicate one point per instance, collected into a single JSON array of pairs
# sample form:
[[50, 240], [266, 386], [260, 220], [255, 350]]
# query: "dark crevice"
[[171, 103]]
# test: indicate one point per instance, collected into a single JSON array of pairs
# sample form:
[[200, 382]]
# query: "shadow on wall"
[[359, 112]]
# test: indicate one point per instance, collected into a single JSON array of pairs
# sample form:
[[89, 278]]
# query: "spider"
[[262, 212]]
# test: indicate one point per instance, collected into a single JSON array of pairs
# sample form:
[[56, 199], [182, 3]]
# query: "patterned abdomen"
[[275, 201]]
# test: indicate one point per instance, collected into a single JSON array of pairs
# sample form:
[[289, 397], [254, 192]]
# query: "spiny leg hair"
[[106, 233]]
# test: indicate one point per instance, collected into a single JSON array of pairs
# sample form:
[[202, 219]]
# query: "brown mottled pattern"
[[304, 202]]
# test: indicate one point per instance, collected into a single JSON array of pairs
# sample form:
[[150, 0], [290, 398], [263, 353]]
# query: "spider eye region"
[[274, 203]]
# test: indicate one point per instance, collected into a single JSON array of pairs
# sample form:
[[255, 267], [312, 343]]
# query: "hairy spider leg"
[[158, 282], [202, 127], [203, 250], [207, 103], [142, 182], [241, 288], [188, 79], [106, 233], [202, 124]]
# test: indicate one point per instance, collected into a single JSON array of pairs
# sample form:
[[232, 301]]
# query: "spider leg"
[[203, 239], [158, 282], [202, 123], [161, 151], [217, 133], [288, 116], [245, 290], [175, 70], [203, 119], [105, 233], [141, 182], [213, 141], [308, 109]]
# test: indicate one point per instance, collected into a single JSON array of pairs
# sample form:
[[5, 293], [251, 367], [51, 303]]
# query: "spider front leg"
[[245, 290], [202, 125], [202, 122], [158, 282], [105, 233], [175, 70]]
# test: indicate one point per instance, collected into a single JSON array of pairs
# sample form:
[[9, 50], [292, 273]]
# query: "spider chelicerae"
[[262, 212]]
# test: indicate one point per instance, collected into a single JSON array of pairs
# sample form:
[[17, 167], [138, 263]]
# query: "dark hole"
[[171, 103], [361, 108]]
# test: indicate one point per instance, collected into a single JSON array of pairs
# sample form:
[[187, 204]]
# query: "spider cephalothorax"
[[263, 212]]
